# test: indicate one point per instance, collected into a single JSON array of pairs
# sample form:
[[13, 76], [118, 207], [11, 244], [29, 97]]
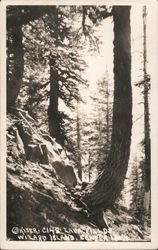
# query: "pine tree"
[[52, 69], [103, 118], [145, 84], [146, 124], [95, 129], [136, 182], [17, 16], [104, 191], [78, 128]]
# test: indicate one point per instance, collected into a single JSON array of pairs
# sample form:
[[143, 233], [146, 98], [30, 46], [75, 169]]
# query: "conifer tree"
[[103, 192]]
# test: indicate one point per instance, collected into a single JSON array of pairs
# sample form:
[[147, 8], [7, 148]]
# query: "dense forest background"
[[70, 162]]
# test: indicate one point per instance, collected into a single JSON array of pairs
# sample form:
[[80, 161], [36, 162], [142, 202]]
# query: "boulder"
[[34, 152], [20, 145], [66, 173]]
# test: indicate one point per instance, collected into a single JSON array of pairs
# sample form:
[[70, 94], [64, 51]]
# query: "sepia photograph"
[[78, 124]]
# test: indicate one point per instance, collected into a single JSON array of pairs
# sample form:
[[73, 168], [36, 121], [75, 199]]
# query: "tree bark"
[[53, 115], [15, 74], [107, 115], [16, 17], [103, 192], [146, 124], [79, 165], [53, 112]]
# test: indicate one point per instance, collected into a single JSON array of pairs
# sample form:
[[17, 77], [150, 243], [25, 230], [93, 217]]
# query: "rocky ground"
[[43, 193]]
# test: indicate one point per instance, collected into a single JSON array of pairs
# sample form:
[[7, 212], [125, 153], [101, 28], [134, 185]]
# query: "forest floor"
[[40, 206]]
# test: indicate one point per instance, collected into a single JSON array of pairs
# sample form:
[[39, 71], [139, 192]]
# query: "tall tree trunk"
[[146, 124], [16, 17], [89, 164], [103, 192], [53, 115], [79, 166], [107, 115], [15, 65], [53, 112]]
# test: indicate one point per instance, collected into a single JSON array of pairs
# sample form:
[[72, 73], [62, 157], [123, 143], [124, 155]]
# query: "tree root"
[[97, 217]]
